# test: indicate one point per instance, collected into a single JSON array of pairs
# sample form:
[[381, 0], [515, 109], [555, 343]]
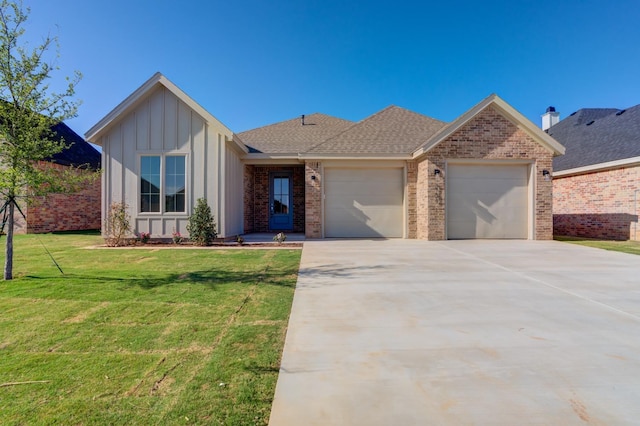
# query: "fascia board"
[[509, 112], [260, 159], [609, 165], [364, 156], [525, 124], [92, 135]]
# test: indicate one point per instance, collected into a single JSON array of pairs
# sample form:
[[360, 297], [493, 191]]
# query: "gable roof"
[[292, 136], [93, 134], [507, 111], [393, 130], [597, 135], [79, 153]]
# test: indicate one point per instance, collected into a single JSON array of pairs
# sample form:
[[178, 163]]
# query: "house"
[[596, 184], [66, 212], [395, 174]]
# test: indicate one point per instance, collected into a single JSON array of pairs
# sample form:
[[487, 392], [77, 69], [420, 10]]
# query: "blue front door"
[[280, 201]]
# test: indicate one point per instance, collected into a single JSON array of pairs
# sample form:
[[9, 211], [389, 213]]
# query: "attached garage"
[[364, 202], [488, 201]]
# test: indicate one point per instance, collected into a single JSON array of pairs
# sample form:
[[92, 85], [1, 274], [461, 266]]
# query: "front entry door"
[[280, 201]]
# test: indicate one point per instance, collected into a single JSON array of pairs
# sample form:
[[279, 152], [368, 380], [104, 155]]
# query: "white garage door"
[[487, 201], [364, 203]]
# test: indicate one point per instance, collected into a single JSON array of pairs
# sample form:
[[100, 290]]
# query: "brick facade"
[[603, 204], [313, 199], [256, 197], [489, 136], [412, 200], [63, 212]]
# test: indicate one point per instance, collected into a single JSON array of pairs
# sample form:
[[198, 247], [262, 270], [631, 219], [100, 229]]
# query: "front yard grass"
[[632, 247], [130, 336]]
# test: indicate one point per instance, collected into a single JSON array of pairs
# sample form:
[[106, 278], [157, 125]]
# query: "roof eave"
[[93, 134], [609, 165], [511, 113]]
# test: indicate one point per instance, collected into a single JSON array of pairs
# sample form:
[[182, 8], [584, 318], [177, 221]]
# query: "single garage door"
[[363, 203], [487, 201]]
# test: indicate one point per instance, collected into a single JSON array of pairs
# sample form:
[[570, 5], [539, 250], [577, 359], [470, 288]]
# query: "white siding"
[[162, 124], [234, 201]]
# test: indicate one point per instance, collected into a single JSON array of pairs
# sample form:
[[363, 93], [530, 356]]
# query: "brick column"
[[313, 199]]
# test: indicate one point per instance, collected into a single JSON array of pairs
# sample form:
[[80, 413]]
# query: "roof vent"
[[620, 112], [302, 119], [591, 122], [573, 113]]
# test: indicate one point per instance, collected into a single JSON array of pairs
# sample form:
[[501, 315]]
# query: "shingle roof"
[[393, 130], [292, 136], [597, 135], [79, 153]]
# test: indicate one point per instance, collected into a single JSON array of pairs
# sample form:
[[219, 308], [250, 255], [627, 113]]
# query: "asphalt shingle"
[[597, 135], [79, 153], [292, 136], [393, 130]]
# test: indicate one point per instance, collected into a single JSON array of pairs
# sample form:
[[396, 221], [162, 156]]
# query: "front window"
[[150, 184], [162, 178], [174, 178]]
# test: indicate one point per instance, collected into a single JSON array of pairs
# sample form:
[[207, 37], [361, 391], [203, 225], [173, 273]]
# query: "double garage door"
[[482, 201], [364, 203]]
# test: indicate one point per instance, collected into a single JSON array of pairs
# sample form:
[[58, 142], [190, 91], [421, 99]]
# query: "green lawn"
[[632, 247], [152, 336]]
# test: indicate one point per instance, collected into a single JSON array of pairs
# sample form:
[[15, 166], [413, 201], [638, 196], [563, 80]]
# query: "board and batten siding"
[[162, 124], [234, 196]]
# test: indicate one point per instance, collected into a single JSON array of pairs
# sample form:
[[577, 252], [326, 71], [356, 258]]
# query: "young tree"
[[28, 110]]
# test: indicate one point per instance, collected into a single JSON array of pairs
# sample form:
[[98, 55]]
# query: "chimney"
[[550, 118]]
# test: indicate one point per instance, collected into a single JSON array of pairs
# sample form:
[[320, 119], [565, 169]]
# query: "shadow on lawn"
[[209, 278]]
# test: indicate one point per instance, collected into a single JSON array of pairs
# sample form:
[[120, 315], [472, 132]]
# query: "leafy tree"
[[201, 226], [28, 110]]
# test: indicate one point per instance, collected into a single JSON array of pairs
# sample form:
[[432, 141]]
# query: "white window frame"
[[187, 180]]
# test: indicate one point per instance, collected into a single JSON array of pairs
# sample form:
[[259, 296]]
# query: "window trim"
[[163, 155]]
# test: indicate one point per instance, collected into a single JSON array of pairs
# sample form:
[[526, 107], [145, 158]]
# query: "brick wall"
[[256, 198], [249, 189], [64, 212], [489, 136], [602, 204], [412, 200], [313, 199]]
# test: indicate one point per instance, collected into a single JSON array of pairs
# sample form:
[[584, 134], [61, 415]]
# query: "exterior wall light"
[[546, 175], [436, 172], [313, 177]]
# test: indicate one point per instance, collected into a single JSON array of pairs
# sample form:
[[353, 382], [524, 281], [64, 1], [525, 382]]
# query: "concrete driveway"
[[405, 332]]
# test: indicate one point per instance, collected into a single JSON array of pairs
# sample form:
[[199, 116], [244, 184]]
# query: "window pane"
[[149, 183], [174, 184]]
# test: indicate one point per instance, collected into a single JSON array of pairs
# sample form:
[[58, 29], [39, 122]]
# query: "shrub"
[[176, 237], [201, 226], [144, 237], [280, 238], [117, 225]]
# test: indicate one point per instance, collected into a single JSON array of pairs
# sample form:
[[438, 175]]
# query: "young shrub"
[[117, 225], [201, 226], [280, 238]]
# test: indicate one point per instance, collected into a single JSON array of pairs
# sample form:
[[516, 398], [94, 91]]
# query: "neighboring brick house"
[[596, 184], [66, 212], [395, 174]]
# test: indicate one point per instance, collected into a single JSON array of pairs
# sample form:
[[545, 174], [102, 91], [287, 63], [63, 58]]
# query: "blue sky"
[[251, 63]]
